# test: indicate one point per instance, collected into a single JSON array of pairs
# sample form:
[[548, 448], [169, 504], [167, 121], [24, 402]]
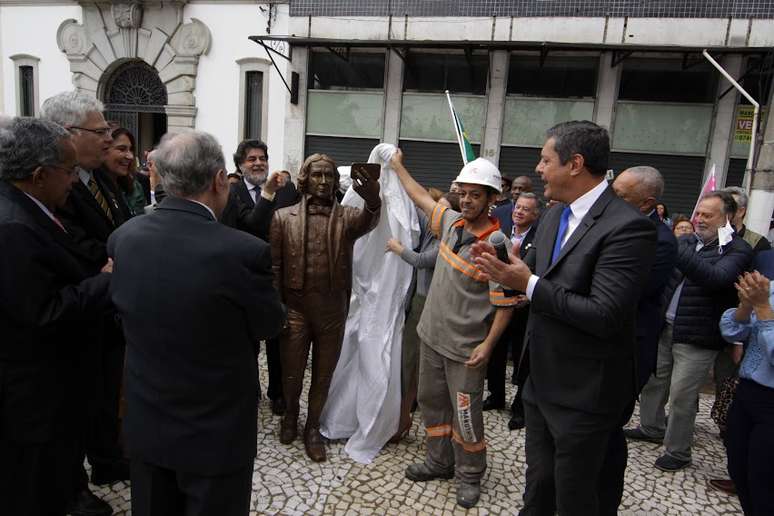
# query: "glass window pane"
[[27, 90], [253, 104], [440, 72], [558, 77], [329, 71], [666, 81]]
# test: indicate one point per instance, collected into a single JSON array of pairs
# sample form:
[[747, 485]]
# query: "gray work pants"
[[450, 398], [681, 370]]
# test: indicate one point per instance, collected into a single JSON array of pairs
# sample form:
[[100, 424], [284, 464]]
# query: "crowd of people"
[[135, 300]]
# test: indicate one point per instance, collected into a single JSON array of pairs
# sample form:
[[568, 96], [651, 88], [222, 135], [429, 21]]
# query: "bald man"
[[641, 187]]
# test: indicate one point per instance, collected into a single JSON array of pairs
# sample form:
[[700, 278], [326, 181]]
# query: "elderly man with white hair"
[[192, 308], [90, 214], [49, 310]]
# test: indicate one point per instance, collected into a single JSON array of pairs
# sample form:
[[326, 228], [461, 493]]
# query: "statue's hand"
[[366, 187]]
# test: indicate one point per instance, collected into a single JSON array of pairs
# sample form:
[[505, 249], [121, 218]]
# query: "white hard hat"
[[481, 171]]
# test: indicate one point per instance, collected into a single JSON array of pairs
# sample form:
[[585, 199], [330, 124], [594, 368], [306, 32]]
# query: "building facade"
[[376, 70]]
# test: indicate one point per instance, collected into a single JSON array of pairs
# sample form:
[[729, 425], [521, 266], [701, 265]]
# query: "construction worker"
[[463, 319]]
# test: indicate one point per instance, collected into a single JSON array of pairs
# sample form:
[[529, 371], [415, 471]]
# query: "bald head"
[[520, 185], [640, 186]]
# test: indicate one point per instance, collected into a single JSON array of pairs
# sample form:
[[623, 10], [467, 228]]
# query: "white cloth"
[[364, 398]]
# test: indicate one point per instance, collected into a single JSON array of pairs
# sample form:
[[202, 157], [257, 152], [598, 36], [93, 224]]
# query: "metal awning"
[[283, 46]]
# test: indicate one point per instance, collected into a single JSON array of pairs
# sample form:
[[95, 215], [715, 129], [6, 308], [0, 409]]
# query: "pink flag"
[[709, 186]]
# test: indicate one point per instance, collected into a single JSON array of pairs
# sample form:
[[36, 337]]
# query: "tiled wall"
[[617, 8]]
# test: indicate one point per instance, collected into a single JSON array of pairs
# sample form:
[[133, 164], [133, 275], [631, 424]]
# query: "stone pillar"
[[393, 97], [723, 125], [295, 115], [608, 79], [762, 196], [499, 63]]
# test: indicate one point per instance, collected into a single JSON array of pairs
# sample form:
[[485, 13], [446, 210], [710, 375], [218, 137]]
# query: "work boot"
[[315, 447], [289, 427], [421, 472], [468, 494]]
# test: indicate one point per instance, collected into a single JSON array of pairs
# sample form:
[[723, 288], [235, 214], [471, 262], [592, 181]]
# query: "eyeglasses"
[[68, 171], [102, 131]]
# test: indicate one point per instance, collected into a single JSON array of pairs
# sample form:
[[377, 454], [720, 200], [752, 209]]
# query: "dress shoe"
[[87, 504], [288, 429], [671, 464], [724, 485], [492, 403], [421, 472], [636, 434], [468, 494], [278, 406], [314, 445], [516, 422], [110, 473]]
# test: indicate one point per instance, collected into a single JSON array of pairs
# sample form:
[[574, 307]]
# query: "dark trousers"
[[36, 479], [511, 340], [274, 390], [750, 447], [611, 477], [565, 451], [275, 369], [158, 491]]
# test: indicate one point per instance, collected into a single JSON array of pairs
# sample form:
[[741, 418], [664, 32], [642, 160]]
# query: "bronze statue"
[[311, 245]]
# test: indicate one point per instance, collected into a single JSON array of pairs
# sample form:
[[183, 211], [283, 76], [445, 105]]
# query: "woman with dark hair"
[[663, 214], [121, 168]]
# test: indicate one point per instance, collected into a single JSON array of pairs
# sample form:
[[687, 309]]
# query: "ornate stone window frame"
[[114, 32], [253, 64], [20, 60]]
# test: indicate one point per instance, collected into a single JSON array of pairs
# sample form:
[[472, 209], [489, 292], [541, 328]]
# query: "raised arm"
[[419, 195]]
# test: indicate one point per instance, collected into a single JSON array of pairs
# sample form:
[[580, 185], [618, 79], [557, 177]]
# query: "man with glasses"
[[50, 310], [524, 219], [90, 215]]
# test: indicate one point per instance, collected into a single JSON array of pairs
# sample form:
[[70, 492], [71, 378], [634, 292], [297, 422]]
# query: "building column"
[[608, 79], [495, 105], [295, 115], [723, 125], [393, 97], [761, 204]]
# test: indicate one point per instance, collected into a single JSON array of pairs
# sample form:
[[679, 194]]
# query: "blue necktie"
[[564, 222]]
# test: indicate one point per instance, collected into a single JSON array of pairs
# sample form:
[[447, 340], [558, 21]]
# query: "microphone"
[[498, 240]]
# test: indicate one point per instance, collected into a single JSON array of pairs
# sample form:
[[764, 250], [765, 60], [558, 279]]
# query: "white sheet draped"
[[364, 400]]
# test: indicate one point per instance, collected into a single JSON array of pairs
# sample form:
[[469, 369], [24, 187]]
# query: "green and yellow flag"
[[466, 149]]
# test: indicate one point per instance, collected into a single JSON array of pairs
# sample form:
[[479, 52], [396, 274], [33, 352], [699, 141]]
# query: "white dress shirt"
[[251, 188], [208, 208], [84, 175], [46, 211], [578, 209]]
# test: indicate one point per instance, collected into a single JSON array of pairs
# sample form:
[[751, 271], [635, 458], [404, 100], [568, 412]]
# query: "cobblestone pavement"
[[286, 482]]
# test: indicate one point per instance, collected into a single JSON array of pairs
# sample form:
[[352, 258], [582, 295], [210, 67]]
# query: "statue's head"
[[319, 177]]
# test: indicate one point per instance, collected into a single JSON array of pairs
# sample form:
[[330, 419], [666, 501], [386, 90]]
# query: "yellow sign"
[[744, 123]]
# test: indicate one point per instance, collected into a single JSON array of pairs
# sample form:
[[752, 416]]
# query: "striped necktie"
[[97, 193]]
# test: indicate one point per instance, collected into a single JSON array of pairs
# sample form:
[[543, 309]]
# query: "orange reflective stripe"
[[435, 219], [439, 431], [469, 447], [460, 264]]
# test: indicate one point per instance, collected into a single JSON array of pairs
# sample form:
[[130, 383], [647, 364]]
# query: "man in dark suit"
[[90, 214], [642, 187], [524, 227], [251, 205], [593, 255], [50, 312], [192, 309], [504, 212]]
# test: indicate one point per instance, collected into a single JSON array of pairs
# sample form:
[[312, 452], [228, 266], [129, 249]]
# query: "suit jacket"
[[193, 304], [650, 309], [504, 213], [255, 217], [87, 222], [582, 313], [50, 312]]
